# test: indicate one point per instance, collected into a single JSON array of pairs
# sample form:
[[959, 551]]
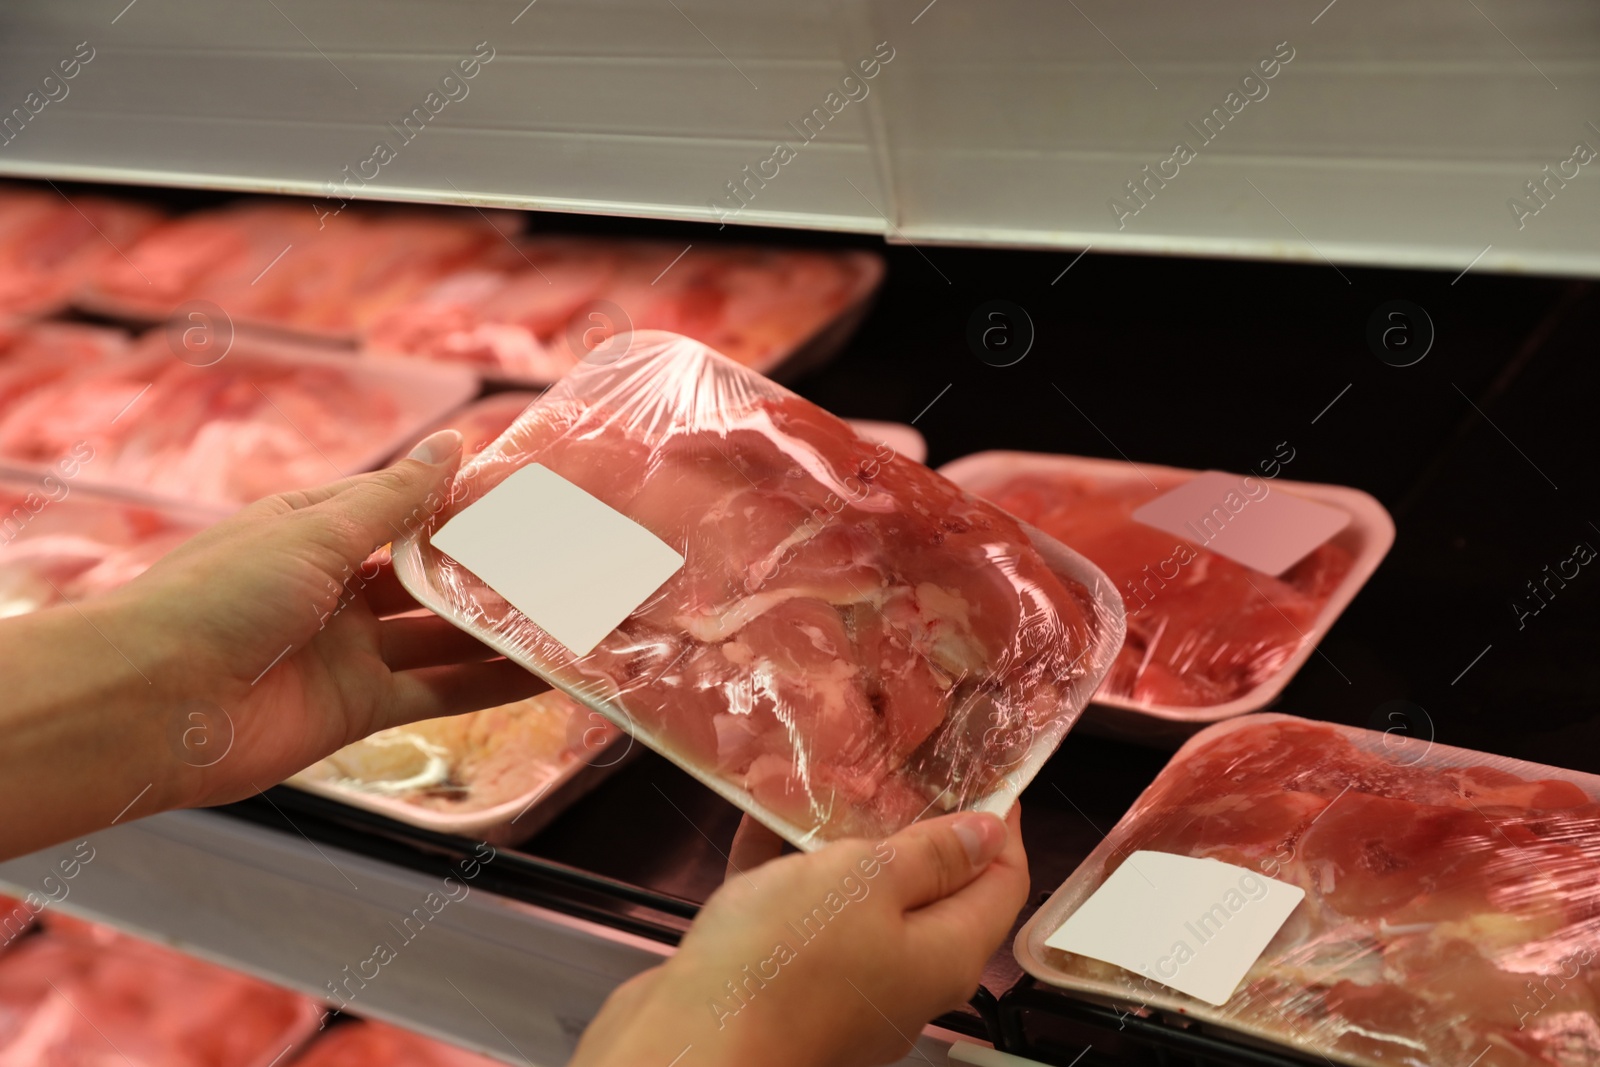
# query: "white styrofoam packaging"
[[420, 393], [1367, 537], [562, 782], [671, 398], [1449, 902]]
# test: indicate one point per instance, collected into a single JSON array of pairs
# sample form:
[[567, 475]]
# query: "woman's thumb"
[[397, 501], [937, 857]]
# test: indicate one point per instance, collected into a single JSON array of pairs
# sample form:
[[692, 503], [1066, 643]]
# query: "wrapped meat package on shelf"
[[850, 643], [1208, 638], [1452, 899], [50, 245], [293, 265], [531, 321], [498, 775], [113, 999], [263, 418], [61, 544]]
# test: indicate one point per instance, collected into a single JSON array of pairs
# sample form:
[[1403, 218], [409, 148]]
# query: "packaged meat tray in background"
[[764, 307], [1452, 898], [370, 1044], [75, 1000], [50, 245], [1215, 640], [498, 775], [16, 919], [61, 543], [264, 418], [286, 265], [33, 354], [851, 642]]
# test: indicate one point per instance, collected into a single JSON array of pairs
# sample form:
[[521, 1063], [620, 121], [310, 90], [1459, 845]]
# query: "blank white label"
[[1248, 520], [572, 564], [1194, 925]]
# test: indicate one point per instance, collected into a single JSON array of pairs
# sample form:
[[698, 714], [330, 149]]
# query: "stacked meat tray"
[[908, 581]]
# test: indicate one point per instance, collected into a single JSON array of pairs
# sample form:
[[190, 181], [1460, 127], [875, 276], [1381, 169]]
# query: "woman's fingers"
[[937, 857], [364, 512], [429, 692], [428, 641], [971, 922], [753, 845]]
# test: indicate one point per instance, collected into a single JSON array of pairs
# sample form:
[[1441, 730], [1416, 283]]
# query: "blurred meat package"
[[533, 319], [77, 1001], [260, 418], [60, 543], [280, 264], [851, 642], [50, 245], [1452, 898]]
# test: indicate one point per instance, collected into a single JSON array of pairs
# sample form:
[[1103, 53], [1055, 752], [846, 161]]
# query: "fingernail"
[[437, 447], [981, 835]]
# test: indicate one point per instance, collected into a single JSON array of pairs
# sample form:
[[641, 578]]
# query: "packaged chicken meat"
[[33, 354], [531, 320], [288, 265], [61, 543], [370, 1044], [1452, 899], [263, 418], [498, 775], [850, 642], [1208, 638], [50, 245], [75, 1001]]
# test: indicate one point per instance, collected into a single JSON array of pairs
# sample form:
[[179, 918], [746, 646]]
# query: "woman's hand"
[[251, 651], [837, 957]]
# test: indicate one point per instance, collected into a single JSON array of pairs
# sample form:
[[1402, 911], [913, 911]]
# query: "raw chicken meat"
[[279, 264], [1202, 629], [1452, 905], [852, 641], [50, 245], [74, 1002], [529, 322], [484, 768], [59, 541], [369, 1044], [260, 421]]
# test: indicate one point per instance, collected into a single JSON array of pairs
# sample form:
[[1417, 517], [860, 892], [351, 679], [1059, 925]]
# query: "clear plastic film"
[[1204, 632], [532, 317], [852, 642], [1452, 909]]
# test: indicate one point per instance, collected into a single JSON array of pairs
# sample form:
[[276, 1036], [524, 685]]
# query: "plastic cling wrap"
[[1452, 909], [852, 641], [1207, 637]]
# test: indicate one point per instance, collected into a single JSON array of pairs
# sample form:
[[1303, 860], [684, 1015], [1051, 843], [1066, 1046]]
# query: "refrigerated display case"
[[1478, 447]]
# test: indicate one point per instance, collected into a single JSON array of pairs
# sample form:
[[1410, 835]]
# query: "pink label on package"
[[1246, 519]]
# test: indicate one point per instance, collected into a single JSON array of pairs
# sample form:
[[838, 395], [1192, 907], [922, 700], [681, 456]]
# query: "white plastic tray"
[[1367, 538]]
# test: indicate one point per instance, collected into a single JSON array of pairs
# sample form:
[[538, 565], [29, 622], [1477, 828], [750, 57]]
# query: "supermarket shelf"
[[1397, 135], [512, 980]]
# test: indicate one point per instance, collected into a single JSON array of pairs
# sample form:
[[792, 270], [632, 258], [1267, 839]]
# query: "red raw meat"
[[1451, 907], [58, 541], [369, 1044], [50, 245], [226, 434], [35, 354], [72, 1002], [1210, 634], [753, 305], [852, 640], [277, 263]]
